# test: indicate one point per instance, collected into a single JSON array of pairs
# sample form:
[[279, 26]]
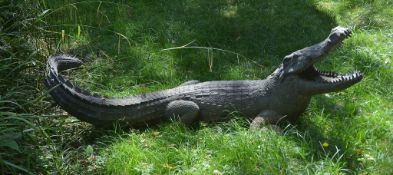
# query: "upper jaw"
[[302, 59]]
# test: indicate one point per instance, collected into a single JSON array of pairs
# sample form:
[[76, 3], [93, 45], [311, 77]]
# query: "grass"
[[123, 45]]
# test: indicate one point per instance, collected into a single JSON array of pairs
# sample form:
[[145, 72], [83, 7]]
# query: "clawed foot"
[[260, 124], [265, 128]]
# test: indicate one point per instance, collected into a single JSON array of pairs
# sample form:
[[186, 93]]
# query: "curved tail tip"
[[64, 62], [65, 59]]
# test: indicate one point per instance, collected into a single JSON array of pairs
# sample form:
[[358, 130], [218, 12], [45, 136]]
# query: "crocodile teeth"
[[343, 78], [327, 73]]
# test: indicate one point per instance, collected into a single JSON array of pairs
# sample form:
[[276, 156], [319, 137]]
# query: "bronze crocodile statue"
[[285, 94]]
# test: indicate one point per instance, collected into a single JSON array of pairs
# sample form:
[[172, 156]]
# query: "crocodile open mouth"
[[315, 75]]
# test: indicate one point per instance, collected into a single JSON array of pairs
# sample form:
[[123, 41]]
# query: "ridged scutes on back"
[[95, 108]]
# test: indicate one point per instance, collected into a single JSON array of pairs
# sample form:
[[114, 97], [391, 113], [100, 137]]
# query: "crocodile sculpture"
[[284, 94]]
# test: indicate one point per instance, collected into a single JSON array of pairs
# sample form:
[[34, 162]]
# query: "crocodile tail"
[[134, 110], [72, 99], [63, 62]]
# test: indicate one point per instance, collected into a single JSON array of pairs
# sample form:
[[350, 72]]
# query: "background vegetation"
[[131, 47]]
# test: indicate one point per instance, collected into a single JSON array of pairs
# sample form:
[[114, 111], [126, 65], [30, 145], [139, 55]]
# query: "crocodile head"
[[298, 68]]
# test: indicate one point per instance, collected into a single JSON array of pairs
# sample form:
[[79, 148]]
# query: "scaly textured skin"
[[285, 94]]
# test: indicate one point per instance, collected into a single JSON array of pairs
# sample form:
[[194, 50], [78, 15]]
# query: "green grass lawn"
[[131, 47]]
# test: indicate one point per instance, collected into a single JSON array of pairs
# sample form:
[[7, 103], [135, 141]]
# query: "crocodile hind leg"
[[264, 118], [185, 111]]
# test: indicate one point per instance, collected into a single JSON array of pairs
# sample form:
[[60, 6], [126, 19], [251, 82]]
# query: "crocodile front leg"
[[264, 118], [185, 111]]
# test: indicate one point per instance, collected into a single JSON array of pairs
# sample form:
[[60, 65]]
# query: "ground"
[[142, 46]]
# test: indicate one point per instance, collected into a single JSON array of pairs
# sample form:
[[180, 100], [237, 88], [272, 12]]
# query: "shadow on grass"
[[262, 31]]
